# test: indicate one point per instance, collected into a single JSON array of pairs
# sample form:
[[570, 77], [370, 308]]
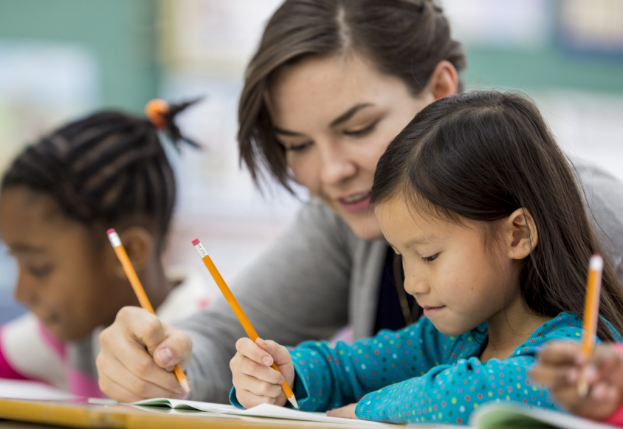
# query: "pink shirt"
[[29, 352]]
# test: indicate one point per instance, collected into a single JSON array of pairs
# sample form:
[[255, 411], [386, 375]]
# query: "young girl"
[[57, 200], [483, 207], [559, 368]]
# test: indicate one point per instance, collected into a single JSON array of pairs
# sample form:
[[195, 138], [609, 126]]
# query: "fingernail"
[[268, 361], [165, 355]]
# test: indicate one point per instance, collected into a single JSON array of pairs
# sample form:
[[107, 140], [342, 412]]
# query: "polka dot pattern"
[[419, 375]]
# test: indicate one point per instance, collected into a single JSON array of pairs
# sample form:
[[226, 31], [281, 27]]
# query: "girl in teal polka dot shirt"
[[483, 207]]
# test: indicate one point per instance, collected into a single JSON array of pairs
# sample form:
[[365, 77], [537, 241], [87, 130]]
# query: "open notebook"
[[264, 410], [497, 416], [491, 416]]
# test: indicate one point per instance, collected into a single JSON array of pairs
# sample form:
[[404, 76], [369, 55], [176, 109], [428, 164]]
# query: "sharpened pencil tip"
[[292, 400], [196, 241], [582, 389], [110, 231], [185, 385]]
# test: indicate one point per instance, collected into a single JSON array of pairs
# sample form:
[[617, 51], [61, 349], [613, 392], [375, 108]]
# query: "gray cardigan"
[[319, 277]]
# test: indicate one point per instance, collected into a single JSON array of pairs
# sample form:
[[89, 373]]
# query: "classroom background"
[[62, 59]]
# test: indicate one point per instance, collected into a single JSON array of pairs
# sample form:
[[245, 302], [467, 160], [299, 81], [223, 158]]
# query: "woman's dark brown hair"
[[483, 155], [403, 38]]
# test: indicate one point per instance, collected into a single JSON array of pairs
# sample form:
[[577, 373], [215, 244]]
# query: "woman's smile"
[[355, 202]]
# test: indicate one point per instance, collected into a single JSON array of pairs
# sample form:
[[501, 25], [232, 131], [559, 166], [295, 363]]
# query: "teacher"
[[331, 84]]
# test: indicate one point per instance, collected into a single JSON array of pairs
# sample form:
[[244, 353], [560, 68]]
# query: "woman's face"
[[335, 117]]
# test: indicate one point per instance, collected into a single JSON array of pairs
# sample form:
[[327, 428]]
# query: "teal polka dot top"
[[419, 375]]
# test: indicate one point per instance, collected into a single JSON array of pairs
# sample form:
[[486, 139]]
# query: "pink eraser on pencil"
[[110, 231], [195, 241]]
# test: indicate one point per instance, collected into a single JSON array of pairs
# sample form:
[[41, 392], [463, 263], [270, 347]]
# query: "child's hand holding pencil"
[[260, 379], [254, 379], [585, 380], [560, 367]]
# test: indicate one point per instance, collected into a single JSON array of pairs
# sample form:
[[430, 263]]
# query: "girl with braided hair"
[[57, 200]]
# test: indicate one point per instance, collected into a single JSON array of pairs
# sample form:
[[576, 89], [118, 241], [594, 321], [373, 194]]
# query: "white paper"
[[23, 389], [496, 416], [263, 410]]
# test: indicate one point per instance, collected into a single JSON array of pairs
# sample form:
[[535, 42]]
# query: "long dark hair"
[[104, 169], [402, 38], [483, 155]]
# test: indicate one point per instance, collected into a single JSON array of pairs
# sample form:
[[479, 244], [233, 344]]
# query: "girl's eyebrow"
[[424, 239], [26, 248]]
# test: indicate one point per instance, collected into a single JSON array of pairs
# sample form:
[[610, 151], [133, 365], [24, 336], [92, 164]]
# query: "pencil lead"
[[185, 385], [292, 400]]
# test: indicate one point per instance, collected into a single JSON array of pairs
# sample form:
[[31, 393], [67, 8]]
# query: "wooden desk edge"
[[62, 414], [124, 416]]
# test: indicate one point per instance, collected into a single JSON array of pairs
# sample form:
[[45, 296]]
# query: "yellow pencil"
[[244, 320], [140, 292], [591, 314]]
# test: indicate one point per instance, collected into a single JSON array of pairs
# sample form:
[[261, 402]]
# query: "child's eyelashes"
[[41, 271], [428, 259]]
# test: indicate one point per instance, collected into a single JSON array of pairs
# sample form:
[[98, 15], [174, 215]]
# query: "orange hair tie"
[[156, 110]]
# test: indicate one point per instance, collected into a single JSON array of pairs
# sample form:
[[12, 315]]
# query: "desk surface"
[[82, 415], [21, 414]]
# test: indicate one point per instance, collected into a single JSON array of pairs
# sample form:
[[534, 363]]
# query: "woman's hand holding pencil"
[[137, 356], [115, 241], [254, 379], [152, 354]]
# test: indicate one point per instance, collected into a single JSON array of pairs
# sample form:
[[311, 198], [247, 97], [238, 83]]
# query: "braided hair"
[[105, 168]]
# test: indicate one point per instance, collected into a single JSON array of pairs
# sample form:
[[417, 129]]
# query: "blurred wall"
[[119, 34], [566, 54]]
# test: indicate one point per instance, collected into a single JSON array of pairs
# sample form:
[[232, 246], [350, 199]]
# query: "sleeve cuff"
[[232, 398], [616, 418], [300, 389], [301, 392]]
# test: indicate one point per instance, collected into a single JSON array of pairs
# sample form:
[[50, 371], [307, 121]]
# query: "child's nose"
[[24, 291], [415, 285]]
